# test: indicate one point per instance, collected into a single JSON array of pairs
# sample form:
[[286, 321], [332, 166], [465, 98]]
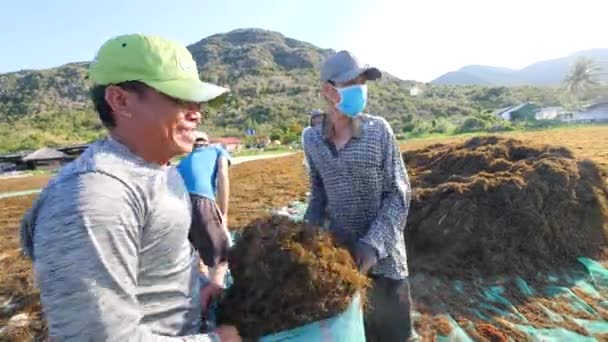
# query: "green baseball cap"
[[162, 64]]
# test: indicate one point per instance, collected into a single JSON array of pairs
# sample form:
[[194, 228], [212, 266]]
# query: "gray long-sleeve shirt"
[[365, 188], [108, 239]]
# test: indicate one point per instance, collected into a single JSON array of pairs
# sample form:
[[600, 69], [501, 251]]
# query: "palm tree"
[[582, 76]]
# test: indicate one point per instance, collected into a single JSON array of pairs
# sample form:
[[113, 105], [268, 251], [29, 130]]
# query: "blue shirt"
[[199, 170]]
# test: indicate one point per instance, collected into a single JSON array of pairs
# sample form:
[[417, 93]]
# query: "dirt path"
[[18, 193], [26, 185], [244, 159]]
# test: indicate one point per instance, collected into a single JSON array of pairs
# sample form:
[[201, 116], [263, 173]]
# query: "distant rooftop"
[[45, 153], [227, 140]]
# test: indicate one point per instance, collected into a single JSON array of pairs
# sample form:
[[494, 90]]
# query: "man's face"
[[162, 123], [317, 120], [331, 94]]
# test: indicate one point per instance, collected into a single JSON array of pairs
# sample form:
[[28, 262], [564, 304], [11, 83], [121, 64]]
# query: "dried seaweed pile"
[[501, 206], [285, 277]]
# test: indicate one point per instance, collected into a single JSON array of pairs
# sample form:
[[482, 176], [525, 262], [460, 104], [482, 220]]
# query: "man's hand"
[[365, 257], [227, 333], [346, 239], [209, 292], [203, 269]]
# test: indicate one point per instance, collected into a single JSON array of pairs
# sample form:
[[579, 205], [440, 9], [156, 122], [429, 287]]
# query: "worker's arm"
[[223, 185], [218, 272], [391, 219], [317, 204], [86, 244]]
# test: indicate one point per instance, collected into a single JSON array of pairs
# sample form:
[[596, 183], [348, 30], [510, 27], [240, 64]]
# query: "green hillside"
[[274, 83]]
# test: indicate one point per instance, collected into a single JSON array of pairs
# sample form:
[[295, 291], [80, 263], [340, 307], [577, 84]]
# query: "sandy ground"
[[24, 184], [244, 159]]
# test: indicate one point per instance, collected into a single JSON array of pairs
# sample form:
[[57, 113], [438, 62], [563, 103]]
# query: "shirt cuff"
[[376, 243]]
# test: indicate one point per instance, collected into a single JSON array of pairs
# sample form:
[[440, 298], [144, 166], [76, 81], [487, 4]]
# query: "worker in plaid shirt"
[[359, 181]]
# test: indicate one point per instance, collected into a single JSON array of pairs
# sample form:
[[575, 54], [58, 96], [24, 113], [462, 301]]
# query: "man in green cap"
[[108, 235]]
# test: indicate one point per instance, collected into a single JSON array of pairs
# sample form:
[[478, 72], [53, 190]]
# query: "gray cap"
[[344, 66], [316, 112]]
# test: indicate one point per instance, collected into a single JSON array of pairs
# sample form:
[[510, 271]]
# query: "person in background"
[[359, 181], [205, 173], [316, 118], [109, 234]]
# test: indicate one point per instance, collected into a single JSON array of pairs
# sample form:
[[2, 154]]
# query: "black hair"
[[98, 95]]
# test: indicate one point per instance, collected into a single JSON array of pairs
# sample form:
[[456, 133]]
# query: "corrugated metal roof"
[[45, 153]]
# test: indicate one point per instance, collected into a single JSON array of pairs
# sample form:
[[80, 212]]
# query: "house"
[[46, 158], [14, 157], [597, 112], [499, 111], [13, 161], [520, 112], [549, 113], [231, 144]]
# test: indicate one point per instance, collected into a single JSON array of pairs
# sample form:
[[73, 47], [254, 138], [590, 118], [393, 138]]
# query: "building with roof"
[[46, 158], [597, 112], [523, 111], [550, 113], [230, 144], [73, 150]]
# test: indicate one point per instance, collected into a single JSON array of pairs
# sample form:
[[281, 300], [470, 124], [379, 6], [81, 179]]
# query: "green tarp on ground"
[[489, 302]]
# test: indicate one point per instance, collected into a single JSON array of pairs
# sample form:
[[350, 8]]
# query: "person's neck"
[[342, 124], [139, 148]]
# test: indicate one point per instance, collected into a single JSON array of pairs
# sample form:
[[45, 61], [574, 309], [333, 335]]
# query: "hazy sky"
[[411, 39]]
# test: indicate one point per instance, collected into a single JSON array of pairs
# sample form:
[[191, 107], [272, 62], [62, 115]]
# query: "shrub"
[[472, 124]]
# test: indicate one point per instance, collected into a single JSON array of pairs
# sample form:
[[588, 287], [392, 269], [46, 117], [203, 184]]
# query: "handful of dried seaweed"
[[285, 277]]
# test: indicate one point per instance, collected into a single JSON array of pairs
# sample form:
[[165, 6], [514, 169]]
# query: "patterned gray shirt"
[[364, 188], [108, 238]]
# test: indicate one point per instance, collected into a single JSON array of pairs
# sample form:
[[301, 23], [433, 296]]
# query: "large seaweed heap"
[[502, 206]]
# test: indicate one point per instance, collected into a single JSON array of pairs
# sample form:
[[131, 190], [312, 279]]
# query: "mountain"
[[274, 82], [545, 73], [34, 91], [250, 61], [265, 71]]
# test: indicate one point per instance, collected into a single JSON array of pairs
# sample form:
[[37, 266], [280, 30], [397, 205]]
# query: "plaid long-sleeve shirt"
[[364, 188]]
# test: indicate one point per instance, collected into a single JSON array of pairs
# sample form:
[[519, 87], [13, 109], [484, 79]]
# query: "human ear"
[[119, 100], [330, 93]]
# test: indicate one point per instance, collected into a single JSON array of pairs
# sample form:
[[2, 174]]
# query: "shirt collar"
[[122, 150]]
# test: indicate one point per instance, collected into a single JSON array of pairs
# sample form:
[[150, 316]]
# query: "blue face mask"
[[353, 99]]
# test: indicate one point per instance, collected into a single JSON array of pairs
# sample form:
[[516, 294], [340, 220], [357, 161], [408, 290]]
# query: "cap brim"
[[370, 73], [189, 90]]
